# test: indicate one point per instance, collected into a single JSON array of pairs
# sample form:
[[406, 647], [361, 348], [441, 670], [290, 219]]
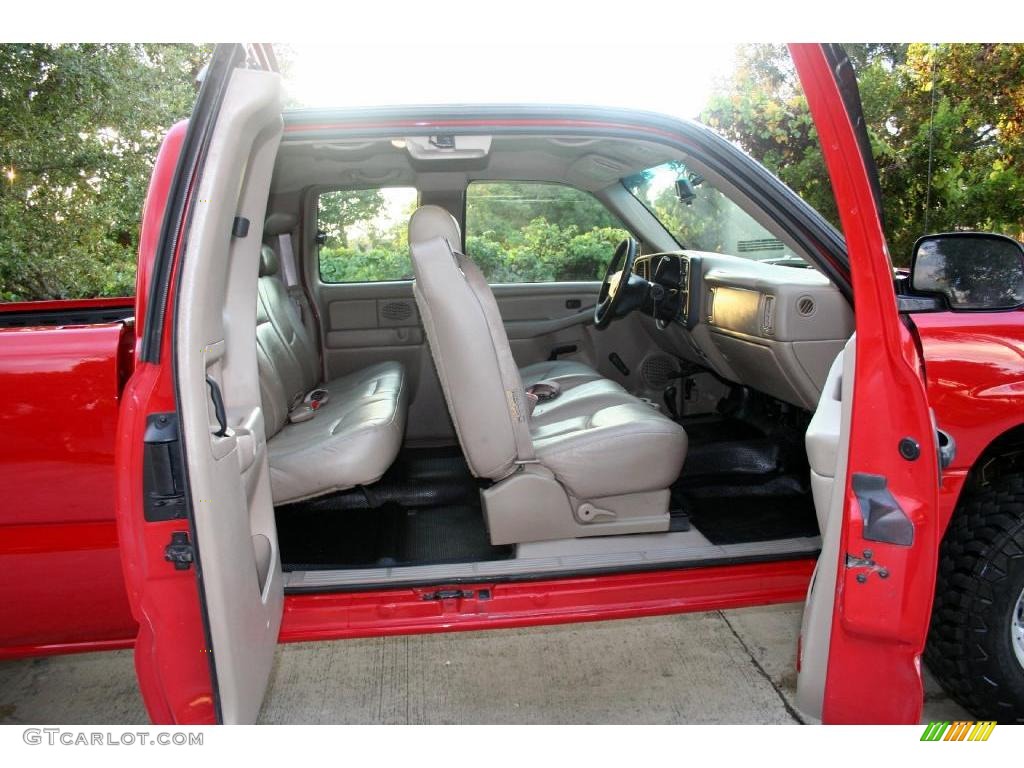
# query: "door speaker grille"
[[656, 369], [396, 311]]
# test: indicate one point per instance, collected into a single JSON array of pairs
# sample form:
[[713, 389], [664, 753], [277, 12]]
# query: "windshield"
[[701, 218]]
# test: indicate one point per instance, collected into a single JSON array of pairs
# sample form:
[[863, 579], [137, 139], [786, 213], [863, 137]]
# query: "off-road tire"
[[980, 578]]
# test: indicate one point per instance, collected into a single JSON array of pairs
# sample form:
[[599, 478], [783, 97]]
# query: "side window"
[[362, 234], [532, 232]]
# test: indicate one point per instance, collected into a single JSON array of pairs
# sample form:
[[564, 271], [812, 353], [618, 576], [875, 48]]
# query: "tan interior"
[[555, 474], [229, 477], [828, 448], [448, 359]]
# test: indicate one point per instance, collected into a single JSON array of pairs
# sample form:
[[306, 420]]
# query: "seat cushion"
[[584, 399], [620, 449], [371, 381], [351, 440], [568, 373]]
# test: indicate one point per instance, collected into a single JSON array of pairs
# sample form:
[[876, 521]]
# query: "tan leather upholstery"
[[568, 373], [353, 438], [279, 223], [615, 449], [485, 396], [594, 461], [433, 221], [351, 441]]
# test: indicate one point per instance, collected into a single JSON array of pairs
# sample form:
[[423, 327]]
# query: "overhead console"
[[430, 153]]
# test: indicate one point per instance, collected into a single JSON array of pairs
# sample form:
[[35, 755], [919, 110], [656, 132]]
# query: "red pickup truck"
[[738, 406]]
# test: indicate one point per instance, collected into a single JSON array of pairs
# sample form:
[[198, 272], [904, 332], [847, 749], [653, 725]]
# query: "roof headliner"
[[587, 162]]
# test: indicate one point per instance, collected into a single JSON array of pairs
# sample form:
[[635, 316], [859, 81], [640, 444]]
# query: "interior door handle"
[[218, 407]]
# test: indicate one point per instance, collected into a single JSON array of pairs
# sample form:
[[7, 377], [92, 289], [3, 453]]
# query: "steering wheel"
[[616, 279]]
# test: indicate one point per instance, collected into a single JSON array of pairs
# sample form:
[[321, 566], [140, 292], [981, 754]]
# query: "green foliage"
[[356, 248], [524, 232], [977, 135], [358, 265], [517, 232], [340, 210], [80, 126]]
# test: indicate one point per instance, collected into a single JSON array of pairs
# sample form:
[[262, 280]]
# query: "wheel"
[[976, 640], [615, 283]]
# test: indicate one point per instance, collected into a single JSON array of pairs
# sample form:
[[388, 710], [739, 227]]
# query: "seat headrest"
[[280, 223], [430, 221], [269, 263]]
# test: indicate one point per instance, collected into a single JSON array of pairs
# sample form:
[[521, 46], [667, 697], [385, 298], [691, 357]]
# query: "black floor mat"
[[424, 511], [715, 429], [744, 519]]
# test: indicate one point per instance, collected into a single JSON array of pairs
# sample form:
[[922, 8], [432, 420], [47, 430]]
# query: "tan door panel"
[[368, 323], [541, 317]]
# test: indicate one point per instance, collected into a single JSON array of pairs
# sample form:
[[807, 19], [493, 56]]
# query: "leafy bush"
[[359, 265]]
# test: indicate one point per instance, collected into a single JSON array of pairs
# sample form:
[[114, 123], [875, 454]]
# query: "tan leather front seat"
[[600, 463], [431, 220]]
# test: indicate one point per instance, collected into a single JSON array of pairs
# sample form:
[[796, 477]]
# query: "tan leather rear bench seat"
[[353, 437]]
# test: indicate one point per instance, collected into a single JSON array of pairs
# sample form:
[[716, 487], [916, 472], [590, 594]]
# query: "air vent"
[[768, 318], [805, 306], [655, 371], [764, 244], [642, 267], [396, 311]]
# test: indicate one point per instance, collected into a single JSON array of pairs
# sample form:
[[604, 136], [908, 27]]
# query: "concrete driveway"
[[721, 667]]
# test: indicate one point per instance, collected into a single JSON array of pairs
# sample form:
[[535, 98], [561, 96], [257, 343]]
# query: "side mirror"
[[972, 270], [684, 190]]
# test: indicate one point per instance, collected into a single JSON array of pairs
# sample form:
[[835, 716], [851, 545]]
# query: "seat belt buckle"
[[316, 398], [301, 413], [544, 391], [306, 408]]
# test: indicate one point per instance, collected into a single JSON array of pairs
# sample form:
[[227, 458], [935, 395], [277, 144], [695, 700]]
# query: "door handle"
[[218, 407]]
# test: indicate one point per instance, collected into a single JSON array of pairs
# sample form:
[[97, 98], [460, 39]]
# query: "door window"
[[363, 234], [532, 232]]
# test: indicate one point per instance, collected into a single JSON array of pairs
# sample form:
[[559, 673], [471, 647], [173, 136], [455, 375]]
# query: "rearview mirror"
[[972, 270], [684, 190]]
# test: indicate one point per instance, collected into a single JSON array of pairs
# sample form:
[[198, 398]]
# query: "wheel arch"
[[1003, 455]]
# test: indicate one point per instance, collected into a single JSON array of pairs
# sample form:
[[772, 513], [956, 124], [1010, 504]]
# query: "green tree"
[[975, 138], [340, 210], [538, 232], [80, 126]]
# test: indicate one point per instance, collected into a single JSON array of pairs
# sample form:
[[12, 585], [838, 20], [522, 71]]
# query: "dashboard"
[[772, 327]]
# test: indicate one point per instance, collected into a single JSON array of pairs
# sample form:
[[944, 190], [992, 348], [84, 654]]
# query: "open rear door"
[[195, 516], [872, 446]]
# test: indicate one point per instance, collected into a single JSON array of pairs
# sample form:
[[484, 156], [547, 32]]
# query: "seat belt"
[[287, 257]]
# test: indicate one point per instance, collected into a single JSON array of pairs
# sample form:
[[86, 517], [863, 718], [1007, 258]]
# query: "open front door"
[[195, 516], [872, 446]]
